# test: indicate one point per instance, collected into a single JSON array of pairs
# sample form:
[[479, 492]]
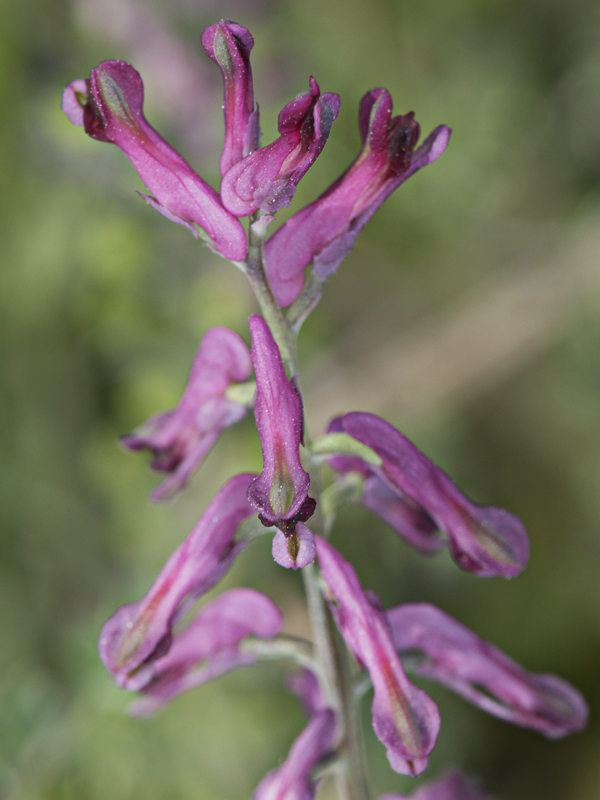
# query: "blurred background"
[[468, 314]]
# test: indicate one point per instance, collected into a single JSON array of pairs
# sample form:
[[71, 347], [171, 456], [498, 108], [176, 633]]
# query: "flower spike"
[[405, 719], [180, 439], [324, 232], [210, 639], [450, 653], [140, 633], [110, 108], [268, 178], [292, 780], [280, 493], [229, 45], [482, 539]]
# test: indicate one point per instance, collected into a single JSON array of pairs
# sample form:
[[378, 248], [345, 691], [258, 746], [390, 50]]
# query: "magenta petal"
[[292, 780], [114, 113], [180, 439], [74, 99], [306, 687], [229, 45], [454, 786], [296, 550], [405, 719], [211, 637], [457, 658], [281, 491], [324, 232], [268, 177], [483, 539], [141, 632]]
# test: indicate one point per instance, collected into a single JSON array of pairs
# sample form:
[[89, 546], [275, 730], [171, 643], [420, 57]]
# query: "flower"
[[324, 231], [212, 637], [448, 652], [415, 496], [405, 719], [280, 492], [453, 786], [292, 781], [268, 178], [305, 686], [180, 439], [229, 45], [110, 108], [140, 633]]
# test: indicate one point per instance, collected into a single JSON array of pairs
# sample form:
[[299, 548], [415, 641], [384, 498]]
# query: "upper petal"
[[484, 675]]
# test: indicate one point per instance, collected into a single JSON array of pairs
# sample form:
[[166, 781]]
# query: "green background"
[[468, 314]]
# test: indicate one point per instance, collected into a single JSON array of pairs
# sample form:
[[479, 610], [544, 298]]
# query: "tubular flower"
[[140, 633], [110, 108], [324, 231], [482, 539], [180, 439], [292, 781], [405, 719], [280, 492], [268, 178], [453, 786], [448, 652], [229, 45], [208, 646]]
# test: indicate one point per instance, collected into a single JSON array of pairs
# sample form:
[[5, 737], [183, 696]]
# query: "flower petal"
[[453, 786], [405, 719], [295, 550], [483, 539], [455, 657], [139, 633]]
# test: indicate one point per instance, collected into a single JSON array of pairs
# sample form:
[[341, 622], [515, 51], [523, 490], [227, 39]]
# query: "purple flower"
[[268, 177], [212, 637], [324, 232], [229, 45], [405, 719], [180, 439], [292, 781], [448, 652], [110, 108], [453, 786], [306, 687], [140, 633], [415, 496], [280, 493]]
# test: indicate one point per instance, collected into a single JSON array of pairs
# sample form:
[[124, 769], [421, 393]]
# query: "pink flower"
[[324, 231], [110, 108], [180, 439], [405, 719], [453, 786], [450, 653], [229, 45], [140, 633], [280, 493], [268, 177], [416, 497]]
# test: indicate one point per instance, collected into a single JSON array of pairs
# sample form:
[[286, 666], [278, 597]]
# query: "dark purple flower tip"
[[280, 493], [296, 549], [405, 719], [208, 646], [324, 232], [292, 780], [453, 786], [453, 655], [180, 439], [140, 633], [482, 539], [112, 111], [268, 178], [229, 45]]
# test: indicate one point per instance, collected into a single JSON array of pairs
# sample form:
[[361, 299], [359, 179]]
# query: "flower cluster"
[[153, 646]]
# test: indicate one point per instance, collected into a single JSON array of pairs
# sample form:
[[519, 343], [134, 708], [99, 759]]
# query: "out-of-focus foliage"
[[102, 304]]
